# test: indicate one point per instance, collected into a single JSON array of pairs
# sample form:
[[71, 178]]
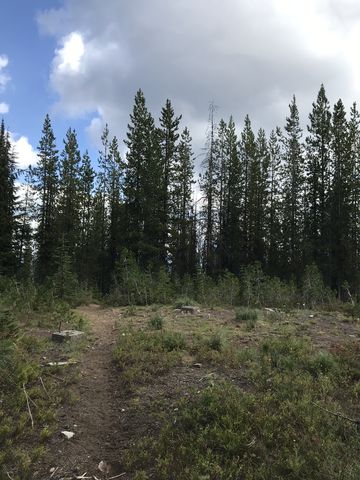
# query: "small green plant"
[[156, 322], [216, 342], [130, 311], [243, 314]]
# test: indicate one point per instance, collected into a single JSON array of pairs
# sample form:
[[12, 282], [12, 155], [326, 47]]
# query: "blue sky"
[[83, 60]]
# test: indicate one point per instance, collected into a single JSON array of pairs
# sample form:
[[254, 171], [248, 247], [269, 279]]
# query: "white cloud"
[[247, 56], [24, 152], [68, 58], [4, 77], [4, 108]]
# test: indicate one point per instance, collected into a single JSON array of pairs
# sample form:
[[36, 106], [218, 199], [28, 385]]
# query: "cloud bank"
[[249, 56]]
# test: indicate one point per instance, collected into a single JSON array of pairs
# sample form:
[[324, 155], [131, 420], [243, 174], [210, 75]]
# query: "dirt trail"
[[95, 417]]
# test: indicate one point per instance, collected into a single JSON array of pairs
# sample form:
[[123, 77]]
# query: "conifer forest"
[[284, 201]]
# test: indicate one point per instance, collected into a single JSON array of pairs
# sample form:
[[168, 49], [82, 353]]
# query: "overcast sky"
[[83, 60]]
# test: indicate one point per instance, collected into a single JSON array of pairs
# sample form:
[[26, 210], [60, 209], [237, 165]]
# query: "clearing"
[[116, 404]]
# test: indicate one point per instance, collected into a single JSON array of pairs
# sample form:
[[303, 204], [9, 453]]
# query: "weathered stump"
[[66, 335]]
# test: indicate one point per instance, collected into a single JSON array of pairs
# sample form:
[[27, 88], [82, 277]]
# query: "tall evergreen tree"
[[7, 203], [293, 212], [181, 218], [209, 188], [232, 204], [340, 245], [248, 156], [87, 177], [141, 185], [115, 204], [273, 212], [46, 182], [318, 162], [69, 196], [169, 126]]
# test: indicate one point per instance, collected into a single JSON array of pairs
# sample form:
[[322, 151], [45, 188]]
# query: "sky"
[[82, 62]]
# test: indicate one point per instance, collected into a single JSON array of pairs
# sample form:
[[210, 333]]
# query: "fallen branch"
[[337, 414], [117, 476], [8, 474], [43, 385], [28, 406]]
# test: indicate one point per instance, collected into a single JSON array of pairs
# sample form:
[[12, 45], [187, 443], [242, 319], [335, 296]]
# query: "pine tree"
[[142, 191], [231, 234], [247, 157], [169, 126], [25, 212], [354, 151], [46, 182], [7, 203], [69, 196], [181, 217], [273, 212], [293, 194], [318, 161], [115, 204], [258, 200], [209, 188], [87, 177], [340, 199]]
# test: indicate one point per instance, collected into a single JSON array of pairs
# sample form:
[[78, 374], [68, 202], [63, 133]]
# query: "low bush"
[[156, 322], [243, 314]]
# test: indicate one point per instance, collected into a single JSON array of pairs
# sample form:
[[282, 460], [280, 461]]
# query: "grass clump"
[[243, 314], [156, 322], [141, 355]]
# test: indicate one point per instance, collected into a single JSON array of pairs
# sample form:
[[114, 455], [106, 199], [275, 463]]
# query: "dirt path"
[[95, 416]]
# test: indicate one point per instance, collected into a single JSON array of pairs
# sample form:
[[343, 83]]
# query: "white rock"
[[68, 435]]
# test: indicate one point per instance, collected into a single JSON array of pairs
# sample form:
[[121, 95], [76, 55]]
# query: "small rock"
[[104, 467], [197, 365], [68, 435], [189, 309], [311, 316], [52, 470]]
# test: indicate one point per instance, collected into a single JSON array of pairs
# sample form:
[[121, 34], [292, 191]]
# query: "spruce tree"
[[209, 189], [273, 212], [46, 182], [340, 199], [7, 203], [69, 196], [248, 158], [318, 162], [293, 194], [142, 189], [169, 126], [231, 234], [116, 220], [87, 177], [181, 216]]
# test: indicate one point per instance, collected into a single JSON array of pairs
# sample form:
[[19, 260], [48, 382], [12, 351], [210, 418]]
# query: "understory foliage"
[[279, 427], [22, 306]]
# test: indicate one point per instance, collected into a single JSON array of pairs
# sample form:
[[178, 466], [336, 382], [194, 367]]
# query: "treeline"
[[282, 202]]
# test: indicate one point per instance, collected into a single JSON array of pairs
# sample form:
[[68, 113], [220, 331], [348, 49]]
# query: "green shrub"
[[246, 314], [156, 322], [216, 342]]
